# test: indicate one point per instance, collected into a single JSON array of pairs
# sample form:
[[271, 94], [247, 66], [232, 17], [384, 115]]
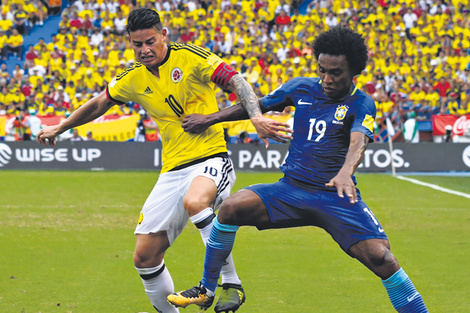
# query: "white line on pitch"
[[415, 181]]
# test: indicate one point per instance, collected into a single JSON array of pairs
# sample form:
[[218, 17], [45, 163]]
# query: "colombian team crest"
[[341, 111], [176, 75]]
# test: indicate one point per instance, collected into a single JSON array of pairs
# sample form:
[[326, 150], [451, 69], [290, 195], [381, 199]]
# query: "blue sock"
[[403, 294], [218, 248]]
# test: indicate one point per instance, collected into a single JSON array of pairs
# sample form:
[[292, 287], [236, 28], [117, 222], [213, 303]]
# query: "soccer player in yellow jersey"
[[171, 82]]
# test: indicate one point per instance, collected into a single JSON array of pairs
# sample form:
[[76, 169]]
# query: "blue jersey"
[[322, 128]]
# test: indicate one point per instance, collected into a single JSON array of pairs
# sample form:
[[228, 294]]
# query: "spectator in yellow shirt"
[[109, 74], [69, 87], [34, 102], [298, 66], [432, 98], [16, 98], [419, 66], [90, 80], [3, 43], [37, 12], [4, 72], [87, 10], [453, 105], [56, 60], [389, 66], [40, 87], [107, 22], [83, 40], [279, 77], [100, 77], [3, 107], [63, 32], [128, 55], [364, 78], [114, 58], [409, 80], [465, 43], [5, 23], [65, 22], [460, 27], [50, 45], [20, 19], [15, 44], [417, 96]]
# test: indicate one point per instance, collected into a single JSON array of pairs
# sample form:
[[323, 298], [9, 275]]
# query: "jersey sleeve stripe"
[[202, 53], [194, 51], [111, 98], [202, 50]]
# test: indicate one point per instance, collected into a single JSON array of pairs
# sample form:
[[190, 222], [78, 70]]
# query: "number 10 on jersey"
[[174, 105]]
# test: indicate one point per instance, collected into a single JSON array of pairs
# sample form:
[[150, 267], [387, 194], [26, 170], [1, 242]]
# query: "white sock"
[[203, 221], [158, 285]]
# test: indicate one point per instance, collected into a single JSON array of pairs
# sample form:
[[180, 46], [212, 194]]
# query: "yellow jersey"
[[185, 86]]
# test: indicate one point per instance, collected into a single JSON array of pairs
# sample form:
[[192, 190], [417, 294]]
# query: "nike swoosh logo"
[[413, 296], [301, 102], [381, 230]]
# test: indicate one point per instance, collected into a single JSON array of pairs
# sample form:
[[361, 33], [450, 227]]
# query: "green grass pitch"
[[66, 244]]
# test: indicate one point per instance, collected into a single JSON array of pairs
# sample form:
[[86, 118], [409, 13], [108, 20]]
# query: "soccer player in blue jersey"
[[332, 128]]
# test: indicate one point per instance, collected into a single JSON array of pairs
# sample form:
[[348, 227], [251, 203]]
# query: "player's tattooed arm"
[[245, 95], [248, 106], [265, 127]]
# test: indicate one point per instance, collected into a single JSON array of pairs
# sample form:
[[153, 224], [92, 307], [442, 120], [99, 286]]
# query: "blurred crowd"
[[419, 50]]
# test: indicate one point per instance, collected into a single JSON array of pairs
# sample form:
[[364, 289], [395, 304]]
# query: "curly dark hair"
[[342, 40], [143, 18]]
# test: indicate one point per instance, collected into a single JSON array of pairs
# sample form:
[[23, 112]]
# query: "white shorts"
[[163, 210]]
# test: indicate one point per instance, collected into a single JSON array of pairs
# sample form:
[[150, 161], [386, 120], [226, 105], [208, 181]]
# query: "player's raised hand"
[[47, 136], [345, 186], [196, 123], [269, 128]]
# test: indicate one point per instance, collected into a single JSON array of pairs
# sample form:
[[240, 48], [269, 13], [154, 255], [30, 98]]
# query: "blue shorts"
[[289, 205]]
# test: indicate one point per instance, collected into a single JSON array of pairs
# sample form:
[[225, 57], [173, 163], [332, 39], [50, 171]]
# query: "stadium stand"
[[419, 51]]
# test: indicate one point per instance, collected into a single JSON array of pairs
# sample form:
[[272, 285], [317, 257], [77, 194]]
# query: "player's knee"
[[390, 261], [194, 205], [145, 259], [140, 259], [379, 256], [376, 255], [382, 261], [228, 212], [243, 208]]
